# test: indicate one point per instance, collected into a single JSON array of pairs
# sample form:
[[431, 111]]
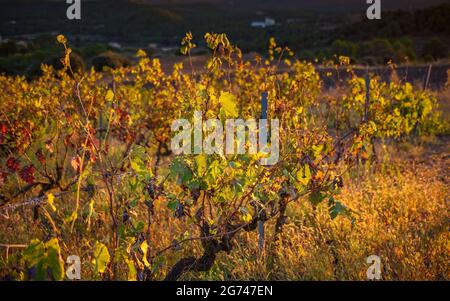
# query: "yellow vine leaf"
[[101, 258], [109, 95], [144, 248], [247, 217], [228, 102], [61, 39], [50, 200]]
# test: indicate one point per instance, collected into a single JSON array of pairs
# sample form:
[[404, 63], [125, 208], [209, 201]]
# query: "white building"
[[263, 24], [115, 45]]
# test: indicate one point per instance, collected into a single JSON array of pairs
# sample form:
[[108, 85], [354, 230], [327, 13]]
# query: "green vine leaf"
[[101, 258]]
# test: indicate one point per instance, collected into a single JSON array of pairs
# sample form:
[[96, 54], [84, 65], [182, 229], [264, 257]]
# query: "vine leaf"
[[228, 102], [45, 258], [109, 95], [304, 175], [101, 258], [50, 201], [144, 249], [337, 208]]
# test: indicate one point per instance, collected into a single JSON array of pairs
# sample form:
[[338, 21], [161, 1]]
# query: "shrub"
[[435, 48], [109, 59], [93, 50], [9, 48], [379, 48], [76, 62], [346, 48]]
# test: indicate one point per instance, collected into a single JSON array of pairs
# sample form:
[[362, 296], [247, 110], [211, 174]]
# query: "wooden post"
[[100, 125], [427, 81], [366, 106], [264, 105]]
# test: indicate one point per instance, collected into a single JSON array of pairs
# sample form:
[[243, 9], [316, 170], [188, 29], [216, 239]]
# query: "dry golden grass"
[[401, 214]]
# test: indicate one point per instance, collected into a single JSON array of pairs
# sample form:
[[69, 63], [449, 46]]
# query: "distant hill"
[[302, 24], [321, 5], [311, 28]]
